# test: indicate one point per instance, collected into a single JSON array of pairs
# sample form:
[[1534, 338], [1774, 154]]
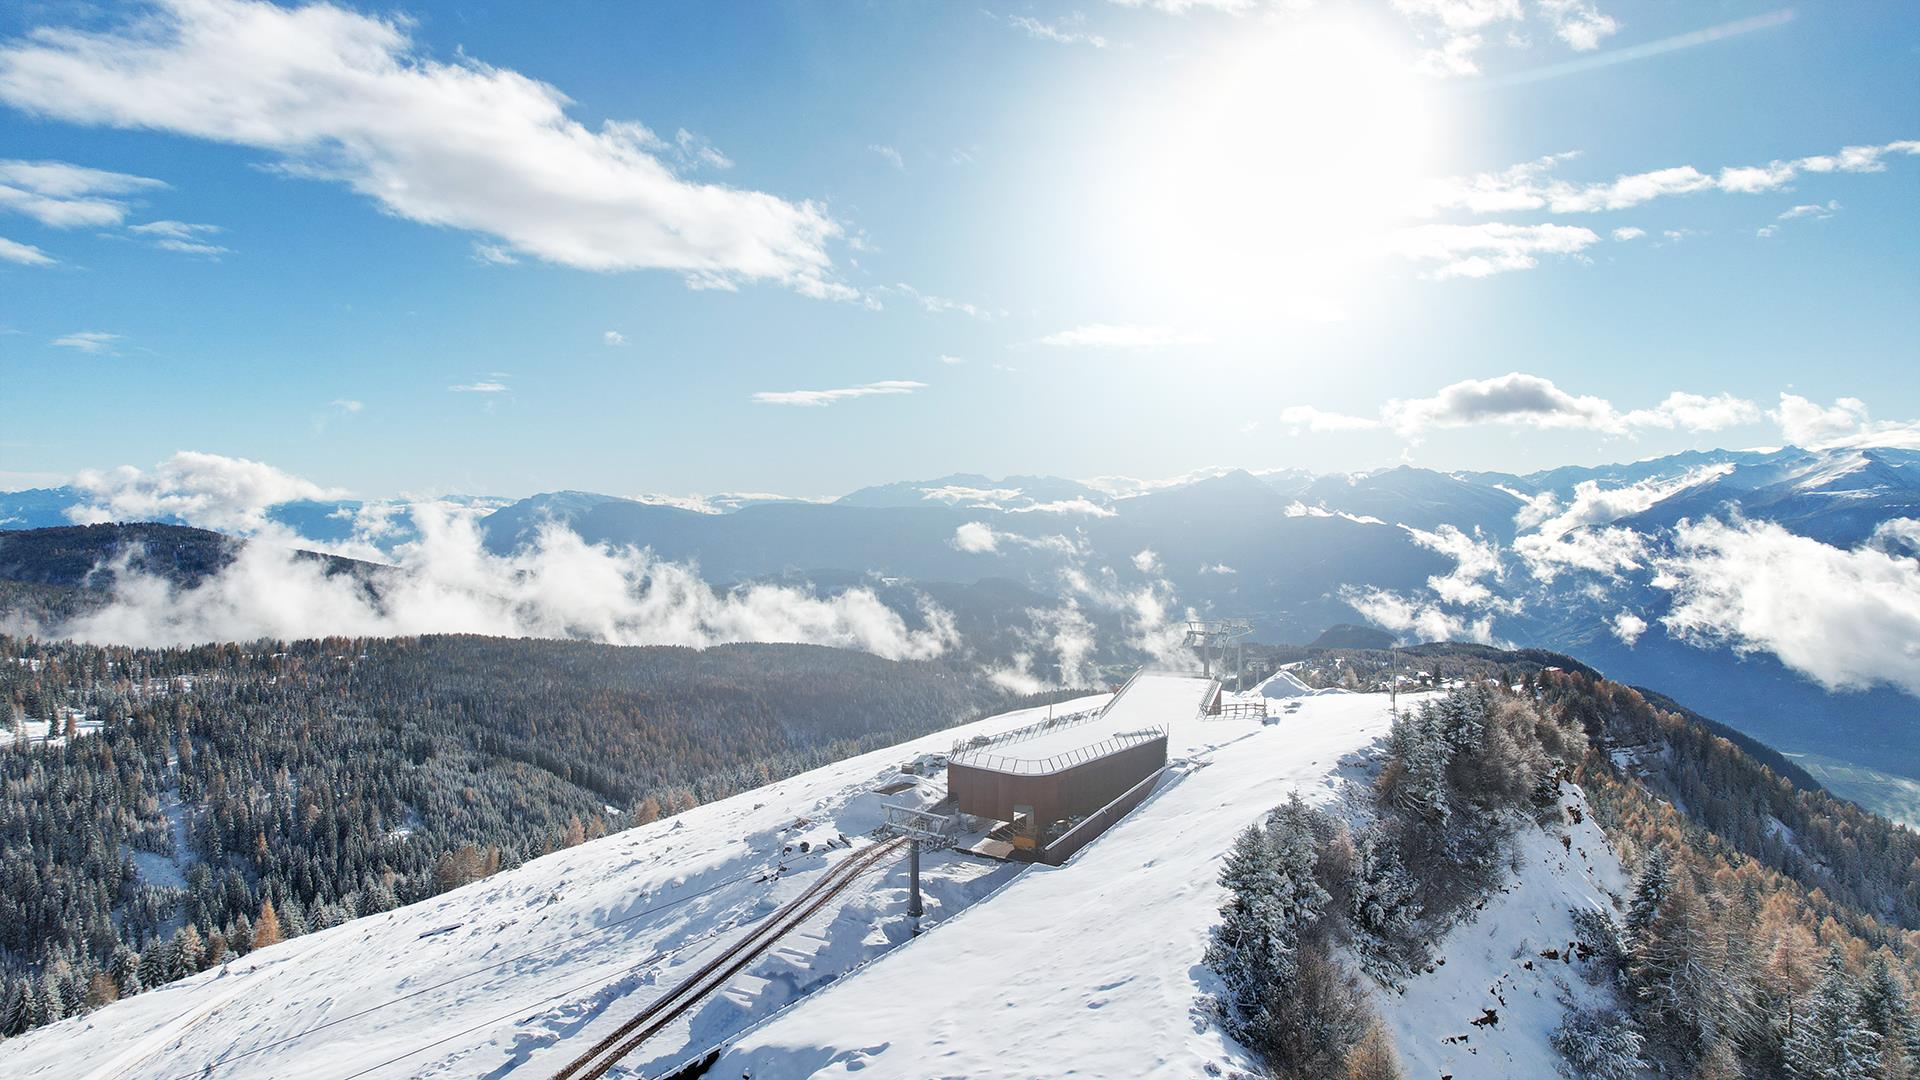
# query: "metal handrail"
[[1061, 761]]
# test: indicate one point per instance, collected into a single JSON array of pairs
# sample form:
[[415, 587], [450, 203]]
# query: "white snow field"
[[554, 953], [1090, 969]]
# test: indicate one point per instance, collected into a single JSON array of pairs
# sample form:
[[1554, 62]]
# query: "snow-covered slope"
[[518, 973], [1088, 969]]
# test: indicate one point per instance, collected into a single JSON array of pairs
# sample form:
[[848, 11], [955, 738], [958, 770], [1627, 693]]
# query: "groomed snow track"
[[713, 975]]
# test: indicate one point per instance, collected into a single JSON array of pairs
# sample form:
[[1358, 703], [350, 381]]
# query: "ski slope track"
[[631, 955]]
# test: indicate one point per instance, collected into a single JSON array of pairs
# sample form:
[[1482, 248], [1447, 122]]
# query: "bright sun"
[[1272, 173]]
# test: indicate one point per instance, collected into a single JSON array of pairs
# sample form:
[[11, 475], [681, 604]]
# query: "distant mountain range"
[[1032, 566]]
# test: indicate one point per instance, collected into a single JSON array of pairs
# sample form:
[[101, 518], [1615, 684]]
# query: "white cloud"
[[1696, 412], [1309, 418], [1110, 336], [980, 538], [1078, 505], [889, 155], [89, 341], [1070, 30], [940, 304], [1628, 627], [1476, 560], [1846, 423], [1579, 23], [1529, 186], [1458, 26], [1513, 398], [1897, 536], [1817, 211], [483, 387], [1629, 232], [613, 338], [1146, 561], [493, 255], [952, 359], [204, 490], [447, 582], [1184, 7], [348, 405], [25, 254], [976, 538], [1849, 619], [954, 494], [1568, 538], [821, 398], [1218, 568], [64, 196], [187, 237], [1477, 251], [347, 97], [1424, 621]]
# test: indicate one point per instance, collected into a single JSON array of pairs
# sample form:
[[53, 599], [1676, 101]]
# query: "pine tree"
[[1599, 1045], [1885, 1009], [1383, 909], [1833, 1041], [1252, 946], [190, 952], [1650, 887]]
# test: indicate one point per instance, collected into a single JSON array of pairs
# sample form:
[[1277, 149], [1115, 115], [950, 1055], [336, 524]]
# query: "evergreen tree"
[[1599, 1045], [1383, 909], [1253, 946], [1833, 1041], [1650, 888]]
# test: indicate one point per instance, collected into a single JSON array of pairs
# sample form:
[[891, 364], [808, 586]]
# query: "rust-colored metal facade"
[[1075, 791]]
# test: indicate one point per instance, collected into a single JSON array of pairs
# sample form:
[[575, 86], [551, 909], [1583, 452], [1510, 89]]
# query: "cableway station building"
[[1057, 784]]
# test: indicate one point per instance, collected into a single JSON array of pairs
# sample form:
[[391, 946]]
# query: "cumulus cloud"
[[1458, 27], [1695, 412], [823, 398], [1477, 251], [64, 196], [1513, 398], [613, 339], [204, 490], [1628, 232], [1112, 336], [341, 96], [1849, 619], [1844, 423], [976, 538], [1530, 185], [447, 582], [1146, 561], [1524, 400]]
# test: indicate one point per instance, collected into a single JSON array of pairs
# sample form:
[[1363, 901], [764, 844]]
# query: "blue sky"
[[385, 247]]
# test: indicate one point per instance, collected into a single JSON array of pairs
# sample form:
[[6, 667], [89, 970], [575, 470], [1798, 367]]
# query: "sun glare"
[[1278, 168]]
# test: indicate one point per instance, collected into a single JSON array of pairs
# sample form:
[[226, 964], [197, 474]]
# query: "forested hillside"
[[1770, 930], [185, 804]]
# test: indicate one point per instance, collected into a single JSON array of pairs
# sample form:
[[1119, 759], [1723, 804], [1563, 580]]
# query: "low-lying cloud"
[[1847, 618], [447, 582]]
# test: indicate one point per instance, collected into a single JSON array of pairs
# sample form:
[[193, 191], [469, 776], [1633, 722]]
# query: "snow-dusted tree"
[[1253, 946], [1833, 1041], [1600, 1045], [1885, 1009], [1675, 975], [1650, 887], [1602, 938], [1383, 910]]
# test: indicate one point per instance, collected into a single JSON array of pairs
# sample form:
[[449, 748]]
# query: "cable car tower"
[[1210, 638], [922, 828]]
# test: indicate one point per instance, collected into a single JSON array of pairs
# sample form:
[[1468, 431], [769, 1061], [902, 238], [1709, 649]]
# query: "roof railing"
[[1060, 762]]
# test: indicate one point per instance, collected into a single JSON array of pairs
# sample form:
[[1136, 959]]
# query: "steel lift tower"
[[1210, 638], [923, 829]]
